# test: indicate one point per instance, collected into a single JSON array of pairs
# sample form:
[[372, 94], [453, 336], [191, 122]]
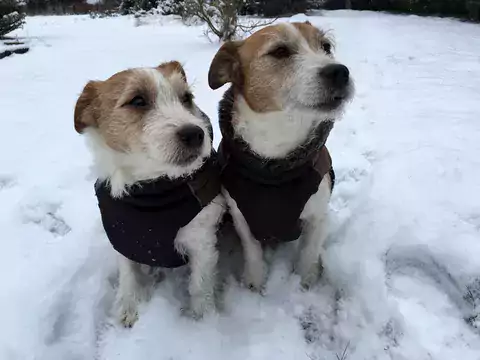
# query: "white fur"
[[254, 269], [274, 134], [149, 159], [130, 290], [198, 241], [314, 234]]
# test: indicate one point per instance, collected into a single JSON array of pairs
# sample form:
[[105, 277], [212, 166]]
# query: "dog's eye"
[[137, 101], [327, 47], [187, 99], [281, 52]]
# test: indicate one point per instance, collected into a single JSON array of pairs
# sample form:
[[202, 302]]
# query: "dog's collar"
[[269, 171], [203, 184]]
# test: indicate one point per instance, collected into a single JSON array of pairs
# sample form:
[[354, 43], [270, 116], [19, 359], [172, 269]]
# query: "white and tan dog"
[[157, 187], [286, 91]]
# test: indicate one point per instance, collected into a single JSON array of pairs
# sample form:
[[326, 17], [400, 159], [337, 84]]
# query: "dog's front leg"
[[131, 291], [309, 261], [254, 272], [202, 258], [198, 240], [315, 215]]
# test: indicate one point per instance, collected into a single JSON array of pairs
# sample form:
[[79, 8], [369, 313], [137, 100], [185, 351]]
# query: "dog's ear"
[[226, 66], [173, 66], [84, 115]]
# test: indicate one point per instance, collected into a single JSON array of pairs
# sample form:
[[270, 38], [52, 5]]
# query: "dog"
[[158, 188], [286, 91]]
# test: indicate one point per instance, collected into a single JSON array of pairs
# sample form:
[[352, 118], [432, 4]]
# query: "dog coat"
[[143, 224], [271, 193]]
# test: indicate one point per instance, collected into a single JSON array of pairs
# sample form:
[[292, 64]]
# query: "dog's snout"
[[191, 136], [337, 75]]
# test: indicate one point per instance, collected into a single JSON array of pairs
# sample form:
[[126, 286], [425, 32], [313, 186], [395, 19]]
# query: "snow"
[[403, 252]]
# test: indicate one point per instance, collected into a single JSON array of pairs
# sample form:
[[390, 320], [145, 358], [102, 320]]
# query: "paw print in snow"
[[6, 182], [47, 216]]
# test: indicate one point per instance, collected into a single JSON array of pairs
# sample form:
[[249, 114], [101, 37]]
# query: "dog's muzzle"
[[336, 78]]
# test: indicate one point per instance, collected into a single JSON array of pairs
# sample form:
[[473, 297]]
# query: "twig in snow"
[[344, 354]]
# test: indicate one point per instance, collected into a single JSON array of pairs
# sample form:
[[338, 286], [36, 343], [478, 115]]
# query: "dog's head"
[[147, 121], [289, 66]]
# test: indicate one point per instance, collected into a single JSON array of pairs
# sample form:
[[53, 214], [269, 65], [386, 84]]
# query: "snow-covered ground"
[[402, 263]]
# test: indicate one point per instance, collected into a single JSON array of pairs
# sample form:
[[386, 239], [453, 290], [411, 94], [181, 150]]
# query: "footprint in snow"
[[318, 320], [80, 311], [474, 220], [410, 259], [6, 182], [47, 216], [351, 181]]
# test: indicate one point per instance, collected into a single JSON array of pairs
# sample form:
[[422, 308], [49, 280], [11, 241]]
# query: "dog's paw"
[[191, 314], [309, 277], [307, 284], [254, 278], [127, 311], [200, 305], [255, 285], [256, 289], [128, 318]]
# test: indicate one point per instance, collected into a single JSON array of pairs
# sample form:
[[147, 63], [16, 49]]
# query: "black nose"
[[191, 136], [336, 75]]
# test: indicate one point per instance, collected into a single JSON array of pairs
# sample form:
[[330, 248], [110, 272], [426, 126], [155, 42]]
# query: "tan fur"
[[246, 65], [225, 66], [313, 35], [172, 67], [85, 115], [102, 104]]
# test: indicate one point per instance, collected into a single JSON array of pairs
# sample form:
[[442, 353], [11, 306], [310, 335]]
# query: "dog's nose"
[[191, 136], [337, 75]]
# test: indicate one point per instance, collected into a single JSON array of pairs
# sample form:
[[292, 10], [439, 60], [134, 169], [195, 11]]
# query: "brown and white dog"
[[286, 91], [157, 187]]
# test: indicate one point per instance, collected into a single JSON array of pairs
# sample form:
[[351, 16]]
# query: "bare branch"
[[221, 17], [344, 354], [247, 29]]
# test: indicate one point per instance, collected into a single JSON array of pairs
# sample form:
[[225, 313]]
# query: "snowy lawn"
[[403, 258]]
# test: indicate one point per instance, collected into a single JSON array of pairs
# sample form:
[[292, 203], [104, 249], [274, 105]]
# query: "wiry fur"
[[278, 102], [151, 148], [131, 145], [274, 134], [297, 92]]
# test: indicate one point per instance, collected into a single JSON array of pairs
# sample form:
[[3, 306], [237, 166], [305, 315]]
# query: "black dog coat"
[[271, 194], [143, 225]]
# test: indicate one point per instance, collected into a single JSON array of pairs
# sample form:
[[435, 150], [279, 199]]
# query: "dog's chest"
[[143, 225], [144, 230], [272, 203]]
